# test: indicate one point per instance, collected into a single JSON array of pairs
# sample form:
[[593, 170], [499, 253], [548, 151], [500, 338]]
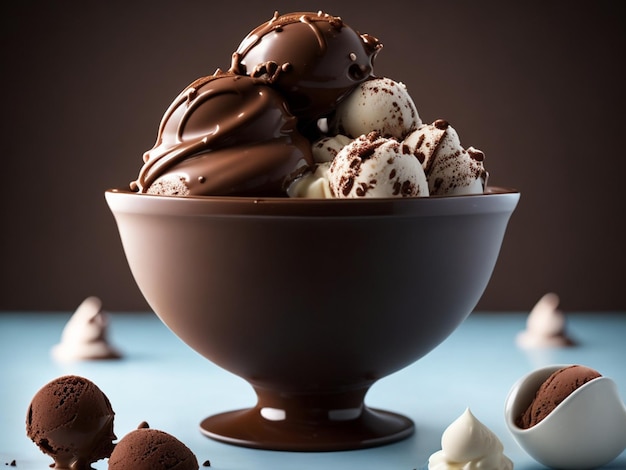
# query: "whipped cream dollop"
[[84, 336], [467, 444], [545, 326]]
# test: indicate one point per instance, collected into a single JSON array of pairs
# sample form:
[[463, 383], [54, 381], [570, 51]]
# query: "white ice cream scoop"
[[375, 166], [313, 184], [327, 148], [586, 430], [381, 105], [450, 169]]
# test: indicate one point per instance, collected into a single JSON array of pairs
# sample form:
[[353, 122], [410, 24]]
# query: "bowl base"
[[269, 429]]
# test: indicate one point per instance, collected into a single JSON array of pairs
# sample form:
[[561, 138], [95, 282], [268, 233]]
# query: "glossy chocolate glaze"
[[241, 132], [314, 59], [226, 134], [71, 420]]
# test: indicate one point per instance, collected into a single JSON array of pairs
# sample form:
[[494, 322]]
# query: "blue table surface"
[[162, 381]]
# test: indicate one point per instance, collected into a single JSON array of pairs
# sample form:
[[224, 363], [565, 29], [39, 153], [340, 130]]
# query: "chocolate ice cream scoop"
[[586, 430], [151, 449], [71, 420], [553, 391]]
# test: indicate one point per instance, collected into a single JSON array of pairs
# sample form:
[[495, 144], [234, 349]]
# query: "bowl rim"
[[493, 199]]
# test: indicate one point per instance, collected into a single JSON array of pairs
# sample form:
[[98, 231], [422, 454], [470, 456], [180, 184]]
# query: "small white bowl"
[[586, 430]]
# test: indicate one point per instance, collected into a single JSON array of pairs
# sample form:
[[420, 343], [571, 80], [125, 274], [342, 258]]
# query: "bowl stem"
[[323, 421]]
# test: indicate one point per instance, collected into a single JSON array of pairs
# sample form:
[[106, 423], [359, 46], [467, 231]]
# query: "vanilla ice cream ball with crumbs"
[[376, 166], [327, 148], [380, 105], [313, 184], [449, 168]]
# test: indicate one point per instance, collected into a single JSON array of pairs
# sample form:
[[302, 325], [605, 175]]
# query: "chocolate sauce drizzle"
[[240, 132]]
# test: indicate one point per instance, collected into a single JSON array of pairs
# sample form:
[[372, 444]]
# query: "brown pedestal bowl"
[[311, 301]]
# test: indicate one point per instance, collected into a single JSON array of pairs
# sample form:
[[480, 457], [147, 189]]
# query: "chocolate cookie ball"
[[313, 59]]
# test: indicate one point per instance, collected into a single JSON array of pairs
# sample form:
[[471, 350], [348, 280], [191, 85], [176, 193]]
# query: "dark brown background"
[[537, 85]]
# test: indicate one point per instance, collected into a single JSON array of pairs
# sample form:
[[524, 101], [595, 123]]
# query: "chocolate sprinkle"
[[476, 154]]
